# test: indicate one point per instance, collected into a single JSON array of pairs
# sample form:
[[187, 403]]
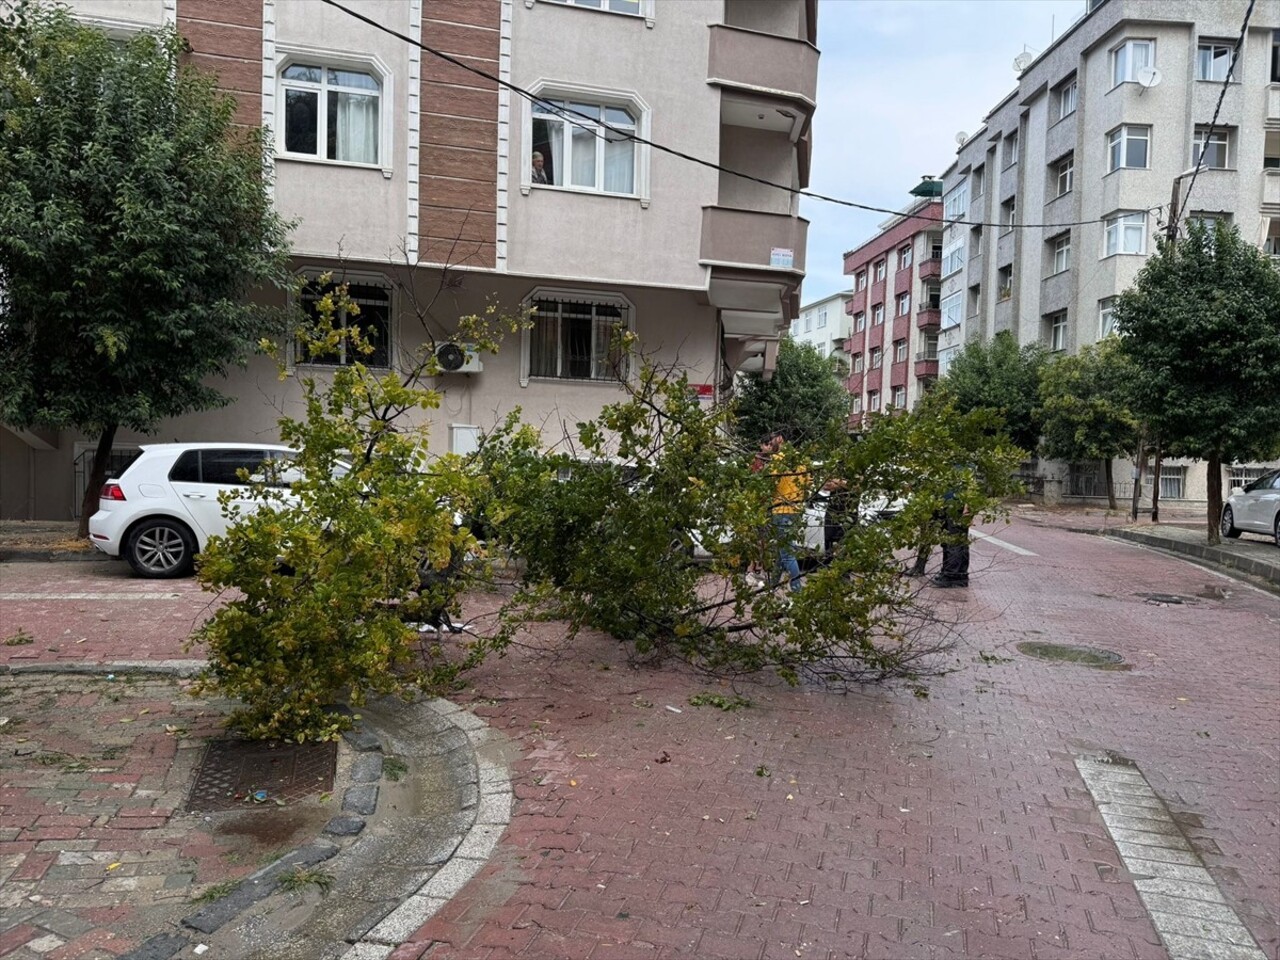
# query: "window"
[[1009, 214], [1004, 282], [1057, 323], [933, 297], [1213, 146], [1126, 233], [1171, 482], [877, 358], [899, 398], [975, 299], [904, 257], [576, 340], [879, 270], [1210, 222], [930, 348], [978, 178], [1064, 174], [1011, 149], [861, 279], [953, 258], [956, 203], [945, 357], [592, 152], [951, 307], [1130, 57], [935, 248], [1106, 317], [873, 400], [808, 321], [904, 304], [859, 321], [1127, 147], [1068, 94], [1061, 252], [613, 6], [373, 321], [857, 404], [1213, 60], [1275, 56], [857, 363], [877, 315], [822, 318], [899, 350], [331, 113], [221, 467]]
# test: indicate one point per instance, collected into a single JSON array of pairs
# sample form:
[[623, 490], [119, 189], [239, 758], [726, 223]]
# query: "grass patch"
[[394, 769], [19, 639], [300, 878], [719, 701], [216, 892]]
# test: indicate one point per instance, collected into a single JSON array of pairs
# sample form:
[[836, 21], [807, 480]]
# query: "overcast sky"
[[897, 80]]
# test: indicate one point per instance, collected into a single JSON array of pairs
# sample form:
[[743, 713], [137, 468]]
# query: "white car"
[[163, 509], [1255, 508]]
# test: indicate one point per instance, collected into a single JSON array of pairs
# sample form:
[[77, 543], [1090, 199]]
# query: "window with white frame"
[[873, 400], [1125, 233], [1011, 149], [1213, 146], [929, 345], [1064, 175], [1061, 246], [1213, 60], [859, 321], [877, 358], [880, 267], [945, 356], [899, 397], [1106, 317], [951, 310], [808, 321], [956, 203], [857, 403], [857, 363], [1128, 147], [1210, 223], [1057, 324], [372, 322], [904, 257], [822, 318], [1172, 482], [1068, 94], [953, 257], [861, 280], [331, 113], [899, 350], [584, 146], [904, 304], [1129, 58], [1009, 214], [877, 315], [613, 6], [577, 339]]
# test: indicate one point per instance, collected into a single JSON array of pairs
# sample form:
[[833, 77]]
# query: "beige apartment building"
[[401, 168], [1089, 144]]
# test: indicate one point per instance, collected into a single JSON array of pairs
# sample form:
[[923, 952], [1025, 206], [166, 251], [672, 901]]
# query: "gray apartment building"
[[399, 166], [1089, 144]]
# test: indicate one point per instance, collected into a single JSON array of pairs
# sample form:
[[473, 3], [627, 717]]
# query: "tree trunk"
[[1155, 484], [1111, 483], [1214, 484], [97, 476], [1139, 460]]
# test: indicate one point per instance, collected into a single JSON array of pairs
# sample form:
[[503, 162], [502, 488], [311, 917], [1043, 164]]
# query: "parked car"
[[162, 510], [1254, 508]]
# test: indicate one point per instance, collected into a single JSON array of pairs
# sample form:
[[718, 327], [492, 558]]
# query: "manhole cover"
[[239, 773], [1085, 656]]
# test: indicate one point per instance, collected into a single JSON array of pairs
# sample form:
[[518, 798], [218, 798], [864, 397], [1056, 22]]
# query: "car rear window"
[[218, 467]]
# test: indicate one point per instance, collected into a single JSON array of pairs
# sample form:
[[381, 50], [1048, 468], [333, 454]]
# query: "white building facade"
[[1089, 145], [823, 324], [436, 192]]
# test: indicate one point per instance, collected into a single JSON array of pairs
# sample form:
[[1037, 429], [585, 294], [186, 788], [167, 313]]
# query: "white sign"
[[782, 257]]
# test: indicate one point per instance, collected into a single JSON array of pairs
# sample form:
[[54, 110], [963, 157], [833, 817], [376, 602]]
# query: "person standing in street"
[[790, 486], [955, 542]]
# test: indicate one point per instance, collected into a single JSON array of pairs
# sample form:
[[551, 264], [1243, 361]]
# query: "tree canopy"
[[1201, 327], [134, 220], [802, 400], [996, 376]]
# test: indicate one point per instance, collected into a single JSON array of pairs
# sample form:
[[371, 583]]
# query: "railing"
[[927, 355]]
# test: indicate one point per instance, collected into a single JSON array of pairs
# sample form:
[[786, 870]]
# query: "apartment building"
[[1089, 144], [823, 324], [403, 169], [894, 310]]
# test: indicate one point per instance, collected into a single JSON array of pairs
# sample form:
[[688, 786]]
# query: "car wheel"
[[161, 549], [1228, 525]]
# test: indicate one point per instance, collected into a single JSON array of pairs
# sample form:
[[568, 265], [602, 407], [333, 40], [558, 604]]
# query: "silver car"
[[1254, 508]]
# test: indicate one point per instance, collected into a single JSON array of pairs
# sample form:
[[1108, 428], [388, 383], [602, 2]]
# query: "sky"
[[898, 79]]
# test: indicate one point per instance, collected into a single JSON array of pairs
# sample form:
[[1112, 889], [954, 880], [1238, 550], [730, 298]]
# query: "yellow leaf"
[[112, 866], [573, 783], [790, 797]]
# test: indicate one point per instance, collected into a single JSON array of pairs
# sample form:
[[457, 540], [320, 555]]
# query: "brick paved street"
[[812, 824]]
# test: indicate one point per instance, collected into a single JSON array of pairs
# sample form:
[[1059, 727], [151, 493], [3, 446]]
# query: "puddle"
[[1095, 657]]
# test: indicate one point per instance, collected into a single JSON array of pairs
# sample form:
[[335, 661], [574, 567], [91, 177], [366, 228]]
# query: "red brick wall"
[[226, 40], [458, 160]]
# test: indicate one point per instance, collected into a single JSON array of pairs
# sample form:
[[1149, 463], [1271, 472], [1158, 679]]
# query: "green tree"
[[1084, 411], [1201, 326], [803, 398], [134, 221], [997, 376]]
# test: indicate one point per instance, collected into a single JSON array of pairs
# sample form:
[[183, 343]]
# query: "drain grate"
[[1068, 653], [234, 774]]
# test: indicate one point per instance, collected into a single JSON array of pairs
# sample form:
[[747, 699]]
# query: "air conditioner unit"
[[458, 358]]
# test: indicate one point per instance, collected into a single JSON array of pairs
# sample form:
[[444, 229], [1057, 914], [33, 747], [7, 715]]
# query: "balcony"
[[764, 63], [928, 318], [926, 364], [1271, 192], [752, 240], [931, 269]]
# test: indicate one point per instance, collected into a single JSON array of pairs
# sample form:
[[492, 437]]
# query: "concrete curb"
[[1255, 567], [21, 555], [160, 668]]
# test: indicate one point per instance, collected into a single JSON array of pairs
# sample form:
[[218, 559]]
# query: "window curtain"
[[354, 119], [619, 164], [555, 137], [584, 156]]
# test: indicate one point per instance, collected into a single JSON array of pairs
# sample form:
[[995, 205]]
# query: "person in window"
[[539, 174]]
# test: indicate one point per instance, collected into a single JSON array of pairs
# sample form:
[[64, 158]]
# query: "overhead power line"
[[594, 124]]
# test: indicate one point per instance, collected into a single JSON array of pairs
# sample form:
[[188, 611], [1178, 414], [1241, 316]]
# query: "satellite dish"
[[962, 138], [1022, 61], [1149, 77]]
